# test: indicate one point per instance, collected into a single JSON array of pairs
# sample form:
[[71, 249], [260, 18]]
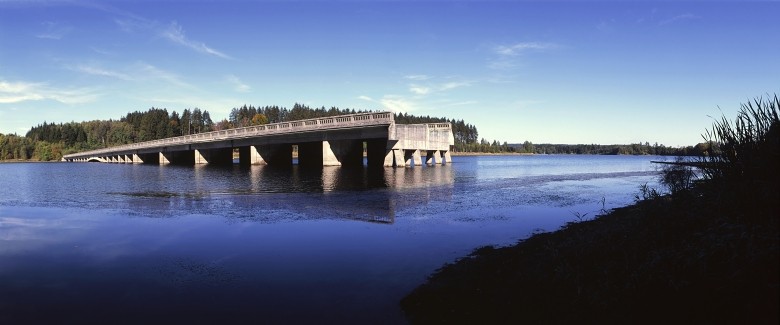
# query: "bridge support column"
[[177, 157], [137, 159], [331, 153], [199, 159], [342, 153], [447, 157], [328, 156], [378, 154], [222, 156], [398, 158], [250, 155], [310, 154], [433, 157], [277, 154], [412, 157], [393, 158], [164, 159]]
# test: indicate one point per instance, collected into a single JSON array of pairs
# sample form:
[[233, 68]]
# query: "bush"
[[678, 177]]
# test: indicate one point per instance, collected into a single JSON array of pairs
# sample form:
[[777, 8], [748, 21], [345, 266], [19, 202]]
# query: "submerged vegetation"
[[705, 253]]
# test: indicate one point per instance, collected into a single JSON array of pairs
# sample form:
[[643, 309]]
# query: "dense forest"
[[614, 149], [50, 141]]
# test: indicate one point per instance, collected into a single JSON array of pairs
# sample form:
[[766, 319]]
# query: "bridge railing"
[[324, 123]]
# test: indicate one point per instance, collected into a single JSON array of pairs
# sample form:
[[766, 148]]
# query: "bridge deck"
[[329, 141], [318, 124]]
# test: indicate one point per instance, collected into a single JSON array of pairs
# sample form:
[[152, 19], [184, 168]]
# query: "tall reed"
[[744, 160]]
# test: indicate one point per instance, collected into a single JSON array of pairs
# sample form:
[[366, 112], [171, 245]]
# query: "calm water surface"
[[95, 243]]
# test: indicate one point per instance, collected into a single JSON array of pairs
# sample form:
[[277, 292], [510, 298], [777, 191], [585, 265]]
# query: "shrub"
[[677, 177]]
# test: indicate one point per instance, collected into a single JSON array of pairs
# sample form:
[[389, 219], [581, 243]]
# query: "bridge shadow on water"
[[263, 193]]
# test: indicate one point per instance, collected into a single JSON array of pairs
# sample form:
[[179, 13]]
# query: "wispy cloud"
[[132, 25], [215, 105], [237, 84], [393, 103], [519, 48], [426, 93], [506, 57], [453, 85], [461, 103], [417, 77], [175, 33], [678, 18], [397, 104], [100, 51], [98, 71], [431, 87], [20, 91], [54, 30], [160, 74], [419, 90]]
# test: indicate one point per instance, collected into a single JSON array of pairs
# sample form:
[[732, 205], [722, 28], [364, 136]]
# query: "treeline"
[[14, 147], [528, 147], [250, 115], [50, 141], [614, 149]]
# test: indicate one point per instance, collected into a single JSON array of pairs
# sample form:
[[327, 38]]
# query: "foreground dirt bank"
[[658, 261]]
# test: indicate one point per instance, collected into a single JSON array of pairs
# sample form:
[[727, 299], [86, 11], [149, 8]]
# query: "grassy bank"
[[706, 253]]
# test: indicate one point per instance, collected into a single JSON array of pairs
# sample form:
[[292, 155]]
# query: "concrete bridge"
[[329, 141]]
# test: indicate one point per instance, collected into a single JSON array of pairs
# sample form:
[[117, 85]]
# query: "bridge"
[[342, 140]]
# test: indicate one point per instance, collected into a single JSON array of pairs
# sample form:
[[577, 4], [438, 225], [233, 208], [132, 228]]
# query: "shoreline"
[[463, 154], [653, 261]]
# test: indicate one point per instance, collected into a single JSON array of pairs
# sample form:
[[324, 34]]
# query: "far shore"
[[491, 153]]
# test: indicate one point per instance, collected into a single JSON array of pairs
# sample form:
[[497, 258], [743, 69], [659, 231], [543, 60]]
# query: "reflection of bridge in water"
[[331, 141], [421, 185], [271, 194]]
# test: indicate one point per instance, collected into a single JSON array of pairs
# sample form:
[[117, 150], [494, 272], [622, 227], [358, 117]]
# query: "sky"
[[547, 72]]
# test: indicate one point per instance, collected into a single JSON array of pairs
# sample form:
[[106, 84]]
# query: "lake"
[[116, 243]]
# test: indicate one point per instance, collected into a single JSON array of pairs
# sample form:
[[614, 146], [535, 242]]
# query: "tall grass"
[[744, 160]]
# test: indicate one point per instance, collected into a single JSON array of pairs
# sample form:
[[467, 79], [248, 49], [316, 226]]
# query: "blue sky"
[[560, 72]]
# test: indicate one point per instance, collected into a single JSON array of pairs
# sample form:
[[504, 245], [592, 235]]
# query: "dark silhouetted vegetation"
[[707, 254]]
